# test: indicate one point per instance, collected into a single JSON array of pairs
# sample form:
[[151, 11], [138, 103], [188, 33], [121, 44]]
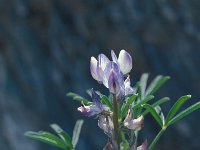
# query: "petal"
[[143, 146], [113, 84], [128, 89], [125, 62], [101, 65], [105, 123], [113, 78], [89, 110], [135, 124], [128, 116], [93, 68], [96, 99], [106, 73], [103, 60], [102, 123], [114, 57]]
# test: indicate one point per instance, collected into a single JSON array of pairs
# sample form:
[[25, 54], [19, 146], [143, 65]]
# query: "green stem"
[[151, 147], [115, 121]]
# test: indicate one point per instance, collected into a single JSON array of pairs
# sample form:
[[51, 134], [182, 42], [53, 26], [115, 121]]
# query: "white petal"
[[125, 62], [114, 57], [93, 68], [135, 124], [128, 89], [103, 60], [101, 65]]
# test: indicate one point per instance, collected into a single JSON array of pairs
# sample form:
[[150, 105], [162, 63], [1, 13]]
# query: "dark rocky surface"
[[45, 48]]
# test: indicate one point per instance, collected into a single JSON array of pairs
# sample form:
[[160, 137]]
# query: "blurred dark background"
[[45, 49]]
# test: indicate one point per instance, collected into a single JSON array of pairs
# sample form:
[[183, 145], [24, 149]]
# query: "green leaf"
[[158, 103], [136, 87], [128, 103], [63, 135], [153, 113], [76, 132], [160, 113], [78, 98], [105, 100], [148, 98], [176, 107], [46, 138], [184, 113], [161, 101], [143, 83], [156, 84]]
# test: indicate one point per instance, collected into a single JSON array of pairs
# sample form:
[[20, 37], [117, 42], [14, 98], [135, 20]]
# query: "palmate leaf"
[[143, 84], [105, 100], [46, 138], [144, 101], [158, 103], [176, 107], [78, 98], [184, 113], [160, 113], [156, 84], [76, 132], [127, 104], [154, 114], [63, 135], [161, 101]]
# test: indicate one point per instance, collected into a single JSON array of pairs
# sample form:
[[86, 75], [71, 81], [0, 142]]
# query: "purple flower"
[[133, 124], [97, 67], [110, 73], [128, 89], [94, 109], [113, 79], [124, 61], [89, 110]]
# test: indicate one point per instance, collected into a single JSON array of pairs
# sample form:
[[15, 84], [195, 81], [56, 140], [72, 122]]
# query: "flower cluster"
[[111, 73], [114, 75]]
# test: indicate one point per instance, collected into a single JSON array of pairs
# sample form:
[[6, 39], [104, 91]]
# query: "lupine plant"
[[121, 113]]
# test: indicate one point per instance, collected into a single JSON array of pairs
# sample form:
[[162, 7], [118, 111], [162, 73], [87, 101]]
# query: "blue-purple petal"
[[113, 83], [113, 78], [96, 99], [101, 65], [114, 57], [89, 110]]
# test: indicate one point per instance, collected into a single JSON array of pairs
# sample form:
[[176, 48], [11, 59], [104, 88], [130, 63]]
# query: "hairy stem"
[[115, 121]]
